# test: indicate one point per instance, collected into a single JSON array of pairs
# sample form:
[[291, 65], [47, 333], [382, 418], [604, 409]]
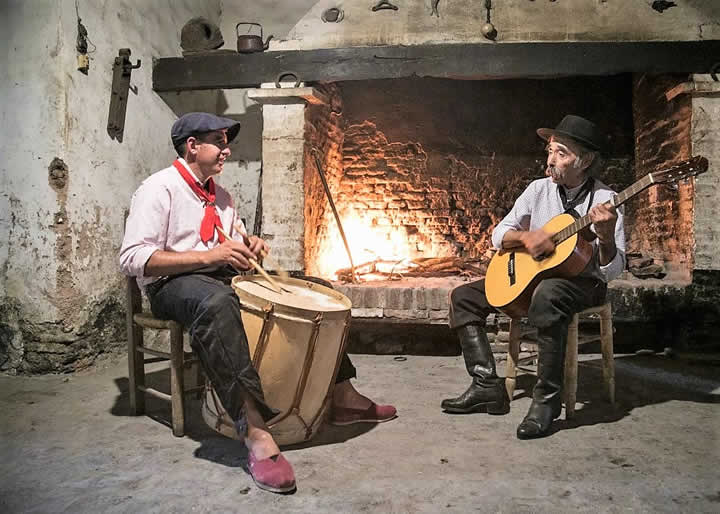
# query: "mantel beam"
[[229, 70]]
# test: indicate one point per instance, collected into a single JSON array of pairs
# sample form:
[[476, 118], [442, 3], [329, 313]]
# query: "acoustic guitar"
[[513, 274]]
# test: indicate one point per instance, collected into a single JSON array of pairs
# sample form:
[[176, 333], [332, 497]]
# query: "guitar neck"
[[616, 201]]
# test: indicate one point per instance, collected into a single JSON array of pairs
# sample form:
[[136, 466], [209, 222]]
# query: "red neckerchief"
[[211, 218]]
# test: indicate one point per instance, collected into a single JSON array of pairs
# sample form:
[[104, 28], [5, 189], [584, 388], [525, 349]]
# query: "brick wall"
[[662, 226], [431, 165], [442, 204], [324, 132]]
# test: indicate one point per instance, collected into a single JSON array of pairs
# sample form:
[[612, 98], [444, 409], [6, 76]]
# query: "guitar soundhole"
[[511, 268]]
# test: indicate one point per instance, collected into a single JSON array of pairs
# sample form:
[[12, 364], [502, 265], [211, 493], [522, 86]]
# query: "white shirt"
[[540, 202], [165, 214]]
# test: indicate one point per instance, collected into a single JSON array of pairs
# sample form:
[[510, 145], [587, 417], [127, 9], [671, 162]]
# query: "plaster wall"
[[62, 296], [705, 140], [459, 21], [242, 173]]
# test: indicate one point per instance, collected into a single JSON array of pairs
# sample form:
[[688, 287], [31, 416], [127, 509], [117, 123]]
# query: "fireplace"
[[422, 169]]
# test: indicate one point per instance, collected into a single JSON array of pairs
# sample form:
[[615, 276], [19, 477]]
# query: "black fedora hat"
[[577, 128]]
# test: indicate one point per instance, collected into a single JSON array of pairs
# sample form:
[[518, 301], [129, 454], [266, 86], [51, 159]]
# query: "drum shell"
[[297, 353]]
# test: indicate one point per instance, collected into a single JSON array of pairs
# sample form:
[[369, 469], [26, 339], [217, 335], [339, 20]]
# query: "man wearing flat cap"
[[572, 160], [175, 245]]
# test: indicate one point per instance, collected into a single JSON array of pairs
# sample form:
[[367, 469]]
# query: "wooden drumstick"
[[281, 272], [273, 285]]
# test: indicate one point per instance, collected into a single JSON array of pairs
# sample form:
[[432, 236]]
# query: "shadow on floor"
[[213, 446], [649, 383], [640, 381]]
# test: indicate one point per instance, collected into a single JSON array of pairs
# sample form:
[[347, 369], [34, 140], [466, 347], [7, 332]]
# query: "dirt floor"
[[67, 444]]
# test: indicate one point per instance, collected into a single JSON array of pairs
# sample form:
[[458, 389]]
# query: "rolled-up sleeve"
[[517, 219], [616, 266], [145, 229]]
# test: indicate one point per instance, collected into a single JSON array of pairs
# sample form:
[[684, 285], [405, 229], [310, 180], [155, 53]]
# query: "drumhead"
[[299, 294]]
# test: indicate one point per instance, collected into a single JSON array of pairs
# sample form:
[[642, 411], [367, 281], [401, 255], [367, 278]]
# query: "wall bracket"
[[122, 68]]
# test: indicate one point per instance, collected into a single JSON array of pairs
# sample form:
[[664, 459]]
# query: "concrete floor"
[[68, 445]]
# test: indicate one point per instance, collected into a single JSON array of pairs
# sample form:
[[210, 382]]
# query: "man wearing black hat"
[[175, 246], [572, 157]]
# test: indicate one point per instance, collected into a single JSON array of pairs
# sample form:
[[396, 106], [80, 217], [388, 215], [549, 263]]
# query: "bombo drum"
[[296, 340]]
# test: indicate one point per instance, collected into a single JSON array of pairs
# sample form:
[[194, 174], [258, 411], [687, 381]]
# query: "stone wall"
[[663, 215]]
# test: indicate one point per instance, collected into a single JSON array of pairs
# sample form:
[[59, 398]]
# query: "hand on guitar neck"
[[604, 218]]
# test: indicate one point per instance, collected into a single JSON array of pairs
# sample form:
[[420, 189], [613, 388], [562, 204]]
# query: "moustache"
[[551, 171]]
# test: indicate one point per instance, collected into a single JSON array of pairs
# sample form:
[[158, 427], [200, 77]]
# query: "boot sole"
[[489, 408], [534, 436], [540, 434]]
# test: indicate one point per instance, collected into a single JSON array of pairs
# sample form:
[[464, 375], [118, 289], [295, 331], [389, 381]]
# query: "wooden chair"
[[137, 321], [604, 312]]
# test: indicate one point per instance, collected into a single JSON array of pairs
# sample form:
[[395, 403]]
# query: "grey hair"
[[597, 164]]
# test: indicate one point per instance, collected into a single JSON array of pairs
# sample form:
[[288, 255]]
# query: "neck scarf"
[[211, 219], [570, 204]]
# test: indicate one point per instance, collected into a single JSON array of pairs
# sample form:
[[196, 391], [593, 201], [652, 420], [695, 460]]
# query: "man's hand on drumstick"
[[233, 252], [258, 247]]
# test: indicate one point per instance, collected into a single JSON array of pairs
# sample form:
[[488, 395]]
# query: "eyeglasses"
[[221, 144]]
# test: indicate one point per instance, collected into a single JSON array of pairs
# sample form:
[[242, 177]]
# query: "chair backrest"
[[133, 297]]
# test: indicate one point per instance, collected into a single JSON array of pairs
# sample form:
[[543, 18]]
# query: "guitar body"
[[513, 274]]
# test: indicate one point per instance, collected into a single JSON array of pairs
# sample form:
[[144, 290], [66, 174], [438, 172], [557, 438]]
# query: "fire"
[[369, 240]]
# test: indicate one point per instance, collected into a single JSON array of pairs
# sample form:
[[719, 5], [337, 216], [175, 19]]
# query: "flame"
[[369, 240]]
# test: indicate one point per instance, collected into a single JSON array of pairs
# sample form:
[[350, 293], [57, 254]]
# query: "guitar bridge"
[[511, 268]]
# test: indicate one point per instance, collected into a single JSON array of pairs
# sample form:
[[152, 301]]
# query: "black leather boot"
[[547, 397], [487, 391]]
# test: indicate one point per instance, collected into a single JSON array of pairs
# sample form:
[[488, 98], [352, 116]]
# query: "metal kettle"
[[251, 43]]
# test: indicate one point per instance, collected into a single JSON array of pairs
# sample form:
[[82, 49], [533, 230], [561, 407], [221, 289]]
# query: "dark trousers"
[[207, 307], [554, 302]]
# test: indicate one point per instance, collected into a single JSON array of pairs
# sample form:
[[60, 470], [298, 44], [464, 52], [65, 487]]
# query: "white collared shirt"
[[540, 202], [165, 214]]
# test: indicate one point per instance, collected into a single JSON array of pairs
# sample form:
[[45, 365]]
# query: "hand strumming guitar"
[[538, 243]]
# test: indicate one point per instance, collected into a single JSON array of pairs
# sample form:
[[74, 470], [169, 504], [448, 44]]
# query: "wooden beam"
[[229, 70], [695, 89]]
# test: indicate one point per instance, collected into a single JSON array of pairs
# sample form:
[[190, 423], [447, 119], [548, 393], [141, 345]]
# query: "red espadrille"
[[373, 414], [274, 474]]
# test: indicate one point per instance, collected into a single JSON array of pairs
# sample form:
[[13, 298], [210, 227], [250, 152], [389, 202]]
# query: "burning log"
[[423, 267]]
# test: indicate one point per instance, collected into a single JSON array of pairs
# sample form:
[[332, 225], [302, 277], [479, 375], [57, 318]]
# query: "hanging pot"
[[251, 43]]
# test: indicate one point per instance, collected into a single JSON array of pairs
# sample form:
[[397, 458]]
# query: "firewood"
[[420, 267]]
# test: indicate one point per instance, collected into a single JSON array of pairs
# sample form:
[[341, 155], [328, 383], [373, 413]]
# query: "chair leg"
[[136, 369], [606, 343], [177, 380], [571, 364], [512, 357]]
